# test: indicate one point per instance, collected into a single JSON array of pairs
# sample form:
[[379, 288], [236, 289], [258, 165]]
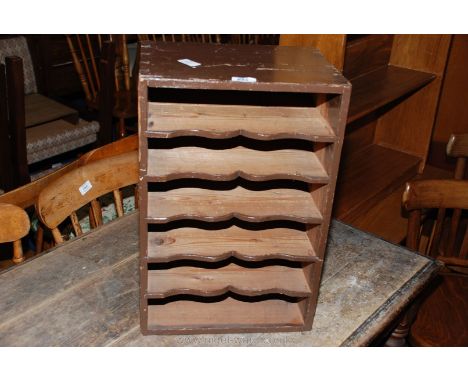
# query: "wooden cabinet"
[[238, 164], [396, 84]]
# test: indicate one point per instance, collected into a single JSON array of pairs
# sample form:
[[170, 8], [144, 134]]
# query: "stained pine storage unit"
[[238, 165]]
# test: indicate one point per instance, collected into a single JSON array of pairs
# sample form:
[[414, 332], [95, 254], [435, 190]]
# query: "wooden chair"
[[61, 199], [26, 196], [442, 319], [85, 51], [25, 144], [14, 225]]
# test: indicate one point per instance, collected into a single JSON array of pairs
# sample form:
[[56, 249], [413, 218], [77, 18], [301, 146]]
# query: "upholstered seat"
[[57, 137], [18, 46]]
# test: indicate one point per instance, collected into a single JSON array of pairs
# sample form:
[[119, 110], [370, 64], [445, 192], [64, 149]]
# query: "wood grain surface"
[[14, 223], [197, 162], [63, 196], [247, 281], [379, 87], [217, 245], [86, 294], [169, 120], [260, 316], [241, 203]]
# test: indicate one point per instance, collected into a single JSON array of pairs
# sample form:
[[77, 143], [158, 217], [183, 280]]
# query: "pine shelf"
[[169, 120], [189, 243], [236, 188]]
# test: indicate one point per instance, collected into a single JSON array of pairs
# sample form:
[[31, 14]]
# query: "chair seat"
[[41, 109], [57, 137], [442, 319]]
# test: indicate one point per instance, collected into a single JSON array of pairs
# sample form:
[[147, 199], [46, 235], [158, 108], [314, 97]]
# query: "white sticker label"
[[85, 187], [188, 62], [244, 79]]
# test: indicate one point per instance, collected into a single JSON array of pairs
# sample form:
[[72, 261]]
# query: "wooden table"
[[85, 293]]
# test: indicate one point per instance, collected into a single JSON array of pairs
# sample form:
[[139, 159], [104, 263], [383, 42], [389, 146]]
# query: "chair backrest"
[[62, 198], [85, 51], [14, 225], [18, 46], [421, 195], [457, 147]]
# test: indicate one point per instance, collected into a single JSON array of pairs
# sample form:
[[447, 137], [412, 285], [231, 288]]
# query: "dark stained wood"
[[361, 183], [16, 113], [217, 245], [86, 294], [313, 109], [366, 54], [446, 304], [453, 99], [7, 182], [458, 146], [229, 164], [240, 203], [382, 86], [408, 126], [106, 98], [275, 68], [387, 218], [199, 281], [170, 120], [442, 318], [438, 193]]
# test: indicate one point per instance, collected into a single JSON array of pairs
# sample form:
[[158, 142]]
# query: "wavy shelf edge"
[[237, 255], [239, 133], [232, 215], [235, 175], [197, 317], [229, 288], [206, 282]]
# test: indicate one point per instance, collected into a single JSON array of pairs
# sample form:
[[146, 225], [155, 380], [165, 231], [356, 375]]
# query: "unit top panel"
[[238, 67]]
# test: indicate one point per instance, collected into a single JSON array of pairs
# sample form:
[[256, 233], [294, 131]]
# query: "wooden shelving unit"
[[237, 182], [396, 82], [382, 86]]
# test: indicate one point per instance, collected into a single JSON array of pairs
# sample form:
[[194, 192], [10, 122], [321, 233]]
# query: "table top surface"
[[85, 293]]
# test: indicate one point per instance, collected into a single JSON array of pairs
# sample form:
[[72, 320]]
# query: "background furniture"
[[396, 84], [26, 196], [14, 225], [34, 134], [86, 293], [443, 315], [452, 114], [241, 155], [83, 185], [85, 51]]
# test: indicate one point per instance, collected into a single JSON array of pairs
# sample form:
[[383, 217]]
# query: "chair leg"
[[121, 127], [39, 239], [17, 252]]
